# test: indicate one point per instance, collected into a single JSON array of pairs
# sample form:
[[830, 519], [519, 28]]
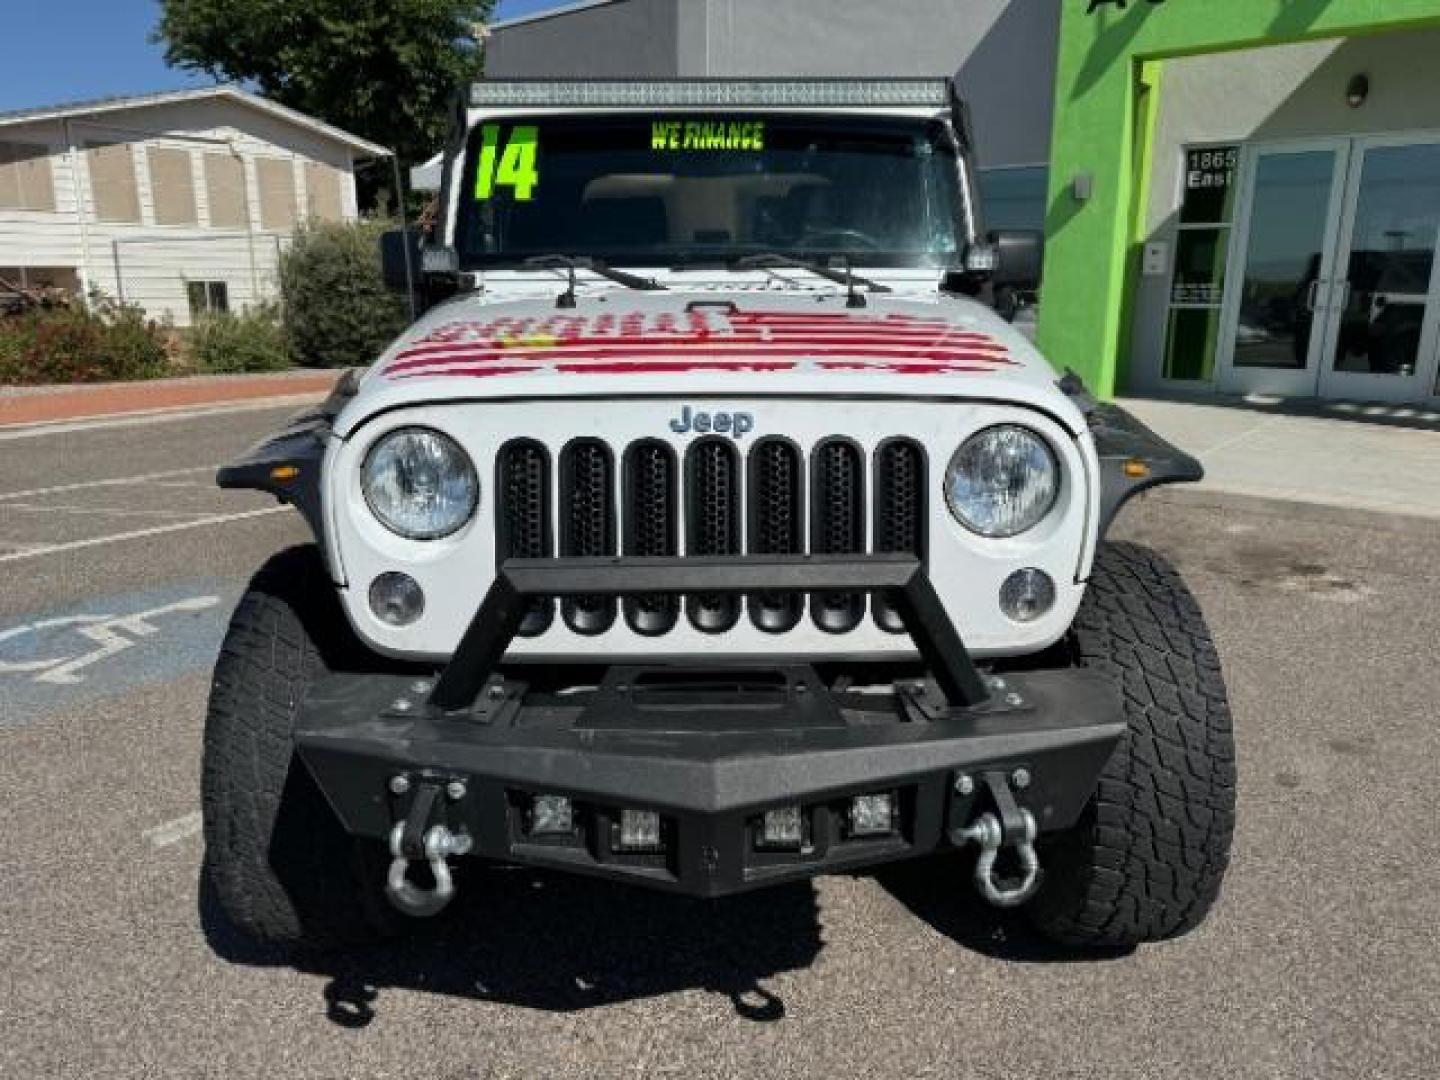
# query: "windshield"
[[677, 190]]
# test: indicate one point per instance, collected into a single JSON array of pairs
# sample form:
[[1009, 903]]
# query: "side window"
[[323, 191], [172, 186], [276, 177], [1014, 198], [225, 191], [207, 298], [112, 182], [26, 179]]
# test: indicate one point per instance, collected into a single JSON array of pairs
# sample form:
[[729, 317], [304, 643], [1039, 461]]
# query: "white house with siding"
[[178, 202]]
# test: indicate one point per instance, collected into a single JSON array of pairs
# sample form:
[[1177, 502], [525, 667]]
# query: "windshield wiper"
[[772, 260], [571, 263]]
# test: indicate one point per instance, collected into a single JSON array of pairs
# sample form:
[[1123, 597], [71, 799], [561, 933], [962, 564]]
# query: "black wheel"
[[1146, 859], [281, 865]]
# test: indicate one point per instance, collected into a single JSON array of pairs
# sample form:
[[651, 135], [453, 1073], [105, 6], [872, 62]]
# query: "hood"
[[697, 343]]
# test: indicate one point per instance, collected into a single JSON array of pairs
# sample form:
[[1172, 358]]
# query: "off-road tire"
[[281, 865], [1146, 860]]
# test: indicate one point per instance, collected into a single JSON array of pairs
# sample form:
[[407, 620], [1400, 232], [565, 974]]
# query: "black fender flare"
[[289, 463], [1133, 459]]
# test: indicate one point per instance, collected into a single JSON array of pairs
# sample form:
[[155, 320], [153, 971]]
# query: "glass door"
[[1381, 304], [1276, 306]]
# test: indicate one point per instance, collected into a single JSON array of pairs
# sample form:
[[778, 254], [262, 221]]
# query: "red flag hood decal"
[[679, 343]]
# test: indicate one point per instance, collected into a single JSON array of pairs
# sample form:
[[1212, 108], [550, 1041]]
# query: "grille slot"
[[651, 528], [900, 512], [777, 526], [522, 480], [837, 526], [587, 525], [712, 508]]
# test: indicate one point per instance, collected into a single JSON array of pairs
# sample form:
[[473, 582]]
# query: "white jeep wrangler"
[[711, 530]]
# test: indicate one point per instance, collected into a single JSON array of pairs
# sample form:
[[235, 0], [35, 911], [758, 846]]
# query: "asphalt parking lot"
[[119, 563]]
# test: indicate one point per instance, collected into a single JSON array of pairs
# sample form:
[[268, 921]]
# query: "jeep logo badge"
[[737, 424]]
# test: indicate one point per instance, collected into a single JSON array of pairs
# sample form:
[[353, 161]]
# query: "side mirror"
[[1019, 259], [400, 259]]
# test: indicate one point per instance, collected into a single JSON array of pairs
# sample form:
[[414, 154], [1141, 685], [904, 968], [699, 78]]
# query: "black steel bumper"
[[709, 749]]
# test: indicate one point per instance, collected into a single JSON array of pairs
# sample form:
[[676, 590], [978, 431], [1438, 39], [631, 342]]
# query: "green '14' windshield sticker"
[[513, 165]]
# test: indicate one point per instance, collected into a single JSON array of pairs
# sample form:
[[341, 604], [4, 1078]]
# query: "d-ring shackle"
[[990, 835], [440, 843]]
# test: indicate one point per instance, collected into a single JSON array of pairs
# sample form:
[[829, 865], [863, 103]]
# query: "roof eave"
[[44, 115]]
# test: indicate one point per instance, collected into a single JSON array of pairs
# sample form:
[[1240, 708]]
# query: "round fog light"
[[396, 599], [1027, 595]]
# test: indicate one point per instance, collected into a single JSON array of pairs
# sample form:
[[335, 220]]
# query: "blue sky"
[[68, 50]]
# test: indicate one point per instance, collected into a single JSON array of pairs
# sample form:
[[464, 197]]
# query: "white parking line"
[[105, 511], [118, 481], [140, 534], [172, 832]]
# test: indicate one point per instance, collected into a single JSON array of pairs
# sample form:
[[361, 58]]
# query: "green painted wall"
[[1108, 79]]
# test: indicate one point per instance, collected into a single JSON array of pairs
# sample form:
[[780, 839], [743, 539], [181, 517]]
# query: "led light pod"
[[639, 830]]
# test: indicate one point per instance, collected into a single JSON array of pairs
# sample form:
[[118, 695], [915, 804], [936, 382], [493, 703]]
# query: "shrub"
[[251, 341], [106, 341], [338, 312]]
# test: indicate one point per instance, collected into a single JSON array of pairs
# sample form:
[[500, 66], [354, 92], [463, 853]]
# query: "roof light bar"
[[701, 93]]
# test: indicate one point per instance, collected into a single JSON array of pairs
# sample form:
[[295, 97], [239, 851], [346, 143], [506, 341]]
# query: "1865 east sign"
[[1096, 5]]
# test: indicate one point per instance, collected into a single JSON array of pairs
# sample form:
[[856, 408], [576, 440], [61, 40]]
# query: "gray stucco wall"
[[1002, 52], [633, 37], [1272, 94]]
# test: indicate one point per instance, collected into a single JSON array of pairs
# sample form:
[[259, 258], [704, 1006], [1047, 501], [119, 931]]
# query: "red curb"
[[118, 399]]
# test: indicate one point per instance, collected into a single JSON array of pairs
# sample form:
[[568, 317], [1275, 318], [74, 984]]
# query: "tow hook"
[[1014, 827], [437, 844]]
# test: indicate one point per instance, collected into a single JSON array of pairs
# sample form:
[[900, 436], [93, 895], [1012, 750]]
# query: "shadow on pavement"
[[939, 890], [563, 944]]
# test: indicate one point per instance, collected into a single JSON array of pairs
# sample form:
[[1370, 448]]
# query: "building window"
[[112, 182], [207, 298], [225, 192], [276, 178], [26, 181], [1014, 198], [1202, 250], [324, 192], [172, 186]]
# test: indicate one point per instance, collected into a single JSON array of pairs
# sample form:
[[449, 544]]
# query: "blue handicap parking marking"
[[108, 645]]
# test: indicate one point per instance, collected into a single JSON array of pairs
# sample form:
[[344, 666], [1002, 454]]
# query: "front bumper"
[[709, 769], [709, 749]]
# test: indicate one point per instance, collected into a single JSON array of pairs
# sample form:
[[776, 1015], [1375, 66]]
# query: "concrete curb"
[[25, 406]]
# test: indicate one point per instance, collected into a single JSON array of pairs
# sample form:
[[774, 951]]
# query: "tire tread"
[[281, 865], [1147, 859]]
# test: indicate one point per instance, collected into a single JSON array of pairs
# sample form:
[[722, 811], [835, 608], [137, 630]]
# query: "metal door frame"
[[1289, 382]]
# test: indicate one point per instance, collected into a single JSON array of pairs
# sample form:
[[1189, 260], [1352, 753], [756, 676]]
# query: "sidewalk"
[[1355, 457], [48, 404]]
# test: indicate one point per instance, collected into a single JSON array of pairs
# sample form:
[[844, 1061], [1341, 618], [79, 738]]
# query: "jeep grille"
[[726, 506]]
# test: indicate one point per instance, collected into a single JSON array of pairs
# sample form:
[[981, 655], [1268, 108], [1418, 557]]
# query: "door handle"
[[1311, 295]]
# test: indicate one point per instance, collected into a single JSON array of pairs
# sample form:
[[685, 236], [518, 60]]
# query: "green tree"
[[383, 69]]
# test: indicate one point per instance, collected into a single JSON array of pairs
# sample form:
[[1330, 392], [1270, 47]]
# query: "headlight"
[[420, 484], [1002, 481]]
